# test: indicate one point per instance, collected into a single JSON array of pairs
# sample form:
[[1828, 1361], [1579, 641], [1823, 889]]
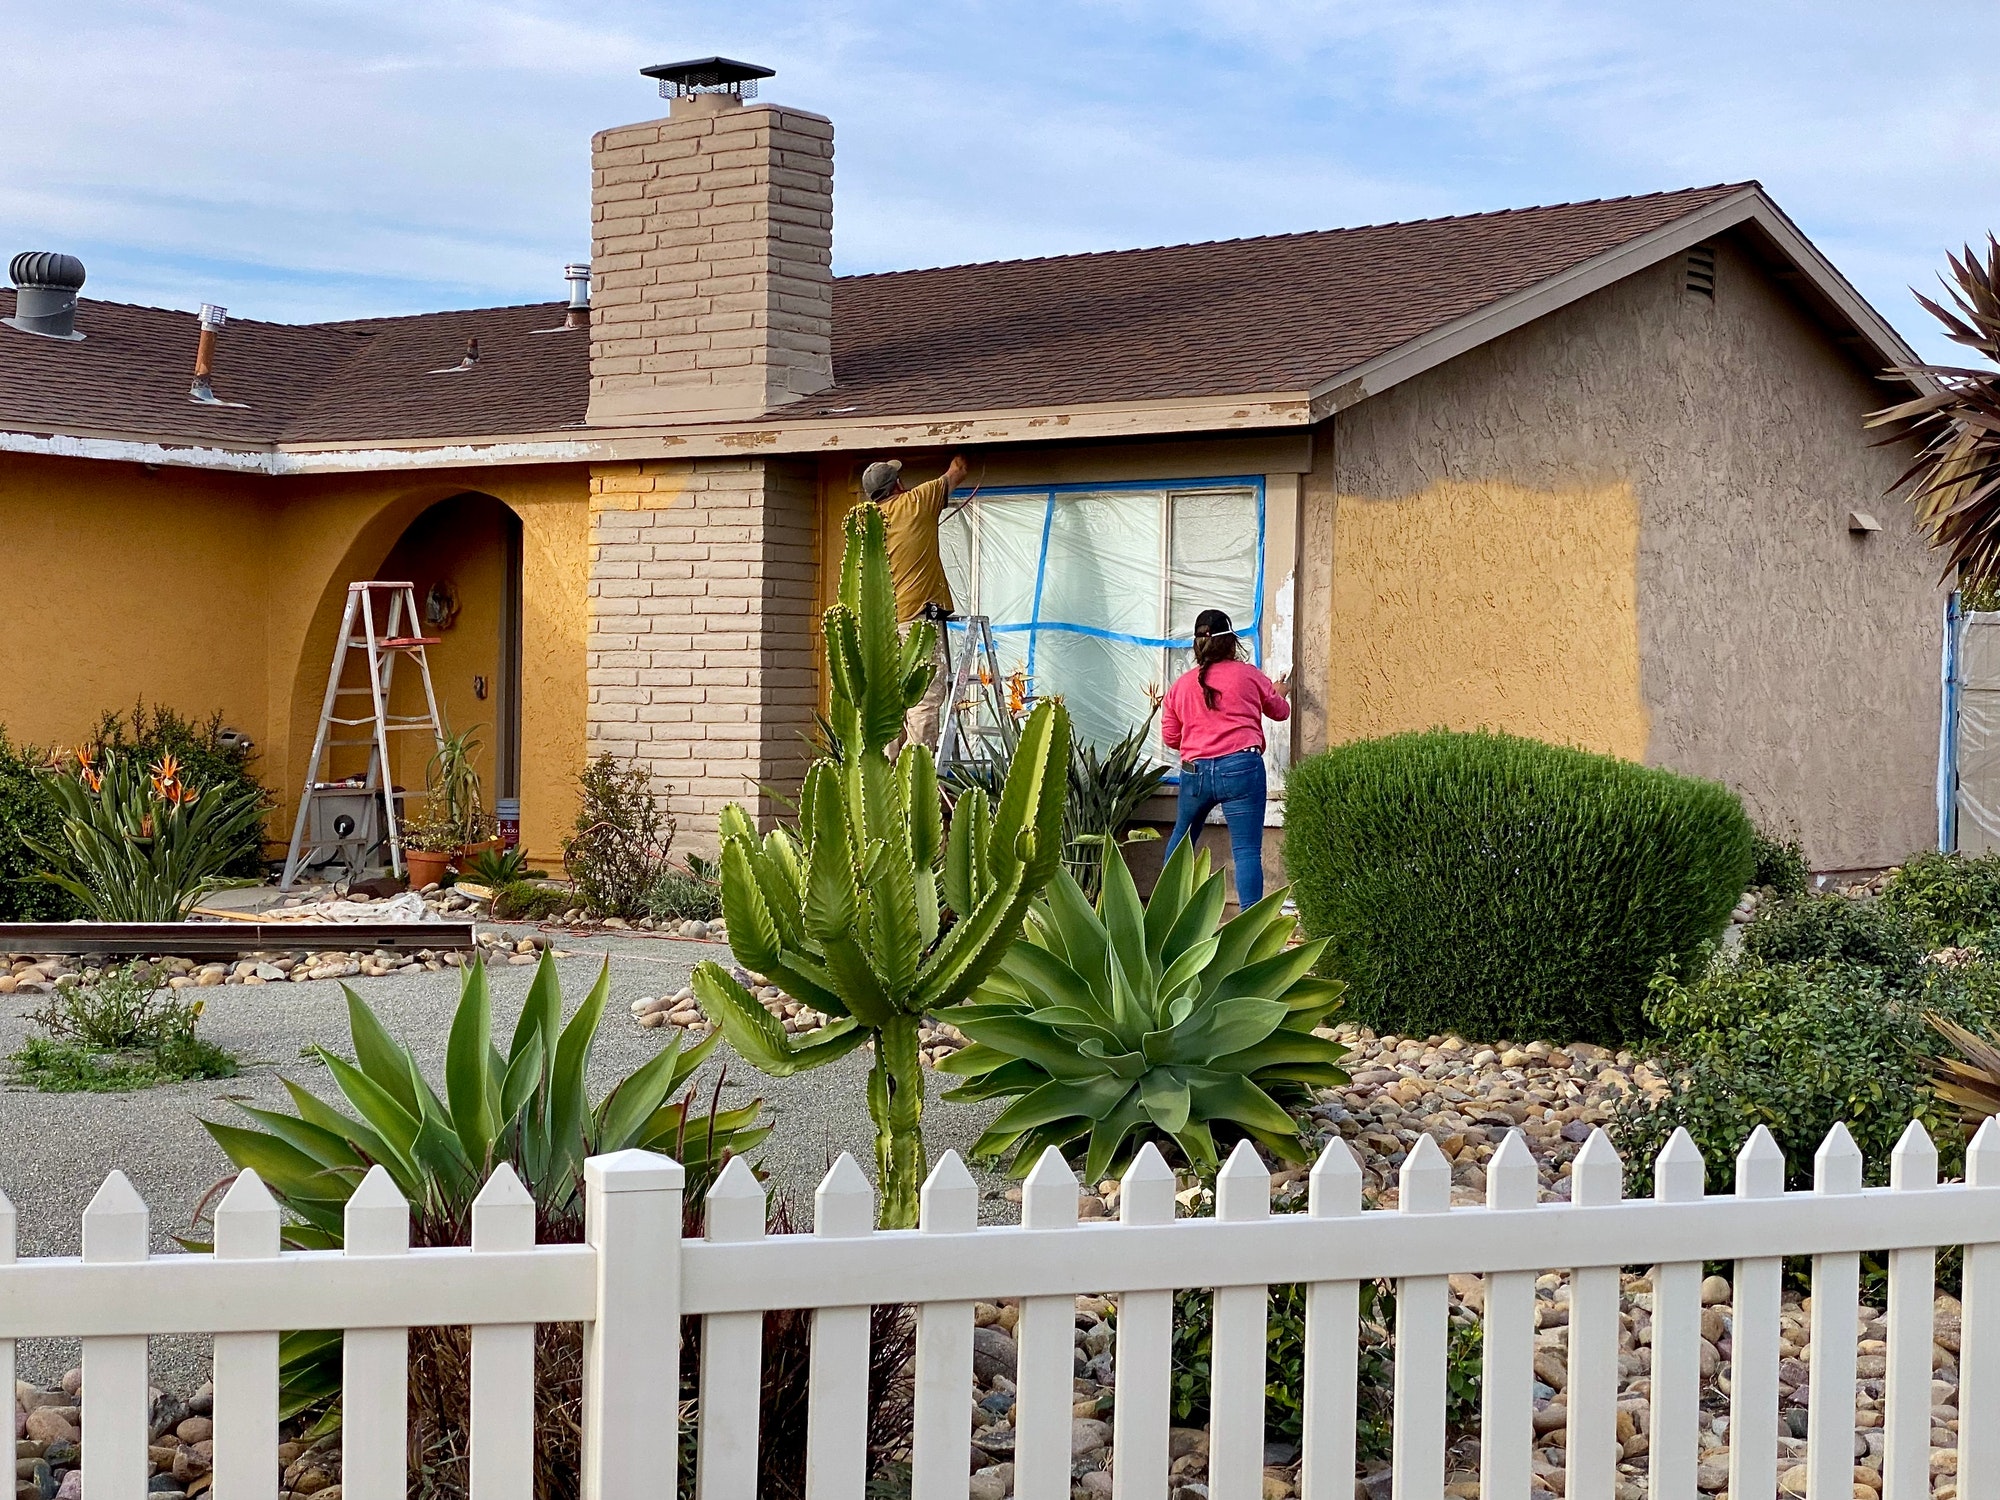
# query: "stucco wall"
[[203, 592], [1648, 468]]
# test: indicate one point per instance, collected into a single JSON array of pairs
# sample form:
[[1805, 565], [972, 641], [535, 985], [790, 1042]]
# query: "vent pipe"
[[578, 313], [45, 288], [212, 319]]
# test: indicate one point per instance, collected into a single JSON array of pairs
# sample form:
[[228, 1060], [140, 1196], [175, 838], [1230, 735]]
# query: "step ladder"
[[976, 725], [348, 820]]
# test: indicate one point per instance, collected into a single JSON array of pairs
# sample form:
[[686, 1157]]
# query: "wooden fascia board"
[[1750, 205]]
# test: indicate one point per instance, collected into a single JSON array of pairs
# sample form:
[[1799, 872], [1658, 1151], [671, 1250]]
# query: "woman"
[[1213, 716]]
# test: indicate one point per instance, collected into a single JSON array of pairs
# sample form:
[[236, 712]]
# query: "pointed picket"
[[1507, 1379], [7, 1240], [1333, 1315], [1597, 1178], [1679, 1176], [1979, 1335], [948, 1204], [1753, 1355], [1144, 1359], [1906, 1396], [1236, 1360], [1836, 1299], [1047, 1347], [1423, 1311], [247, 1227], [837, 1371], [375, 1361], [115, 1230], [732, 1351], [503, 1355]]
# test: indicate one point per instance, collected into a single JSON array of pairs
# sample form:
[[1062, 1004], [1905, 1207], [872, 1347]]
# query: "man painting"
[[911, 519]]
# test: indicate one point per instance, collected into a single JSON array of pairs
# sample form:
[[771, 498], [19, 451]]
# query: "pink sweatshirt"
[[1244, 698]]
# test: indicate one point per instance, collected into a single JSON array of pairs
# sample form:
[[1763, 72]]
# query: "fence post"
[[1144, 1364], [1507, 1382], [632, 1348], [114, 1368], [1906, 1405], [732, 1350], [6, 1259], [503, 1355], [1679, 1176], [949, 1205], [1979, 1335], [375, 1362], [1590, 1389], [1046, 1337], [1423, 1339], [246, 1364], [1753, 1355], [837, 1367], [1836, 1298], [1241, 1329]]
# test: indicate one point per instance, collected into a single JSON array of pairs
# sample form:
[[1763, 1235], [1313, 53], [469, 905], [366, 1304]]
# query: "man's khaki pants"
[[926, 717]]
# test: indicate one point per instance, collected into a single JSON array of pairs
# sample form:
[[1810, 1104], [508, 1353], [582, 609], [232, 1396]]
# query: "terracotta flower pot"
[[426, 866], [472, 851]]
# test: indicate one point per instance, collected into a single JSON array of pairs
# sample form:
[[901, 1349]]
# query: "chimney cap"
[[708, 75]]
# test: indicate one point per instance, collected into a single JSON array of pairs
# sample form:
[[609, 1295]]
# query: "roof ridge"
[[1305, 234]]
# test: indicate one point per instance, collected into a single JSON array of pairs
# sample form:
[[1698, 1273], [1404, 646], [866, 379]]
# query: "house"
[[1592, 472]]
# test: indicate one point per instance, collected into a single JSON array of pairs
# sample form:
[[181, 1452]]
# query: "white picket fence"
[[636, 1277]]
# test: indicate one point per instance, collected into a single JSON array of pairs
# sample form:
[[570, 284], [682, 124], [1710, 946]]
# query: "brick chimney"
[[712, 254]]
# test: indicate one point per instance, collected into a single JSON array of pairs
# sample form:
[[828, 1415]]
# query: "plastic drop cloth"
[[1093, 590], [1979, 733]]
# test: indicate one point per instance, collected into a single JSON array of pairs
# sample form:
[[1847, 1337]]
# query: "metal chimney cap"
[[46, 268], [708, 75]]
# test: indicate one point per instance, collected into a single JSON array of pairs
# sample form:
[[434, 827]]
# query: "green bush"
[[1501, 887], [693, 893], [530, 901], [1781, 863], [29, 811], [206, 760], [1950, 900], [1840, 929], [1796, 1047], [619, 846], [123, 1030]]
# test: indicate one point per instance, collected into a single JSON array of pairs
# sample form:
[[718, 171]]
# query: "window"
[[1093, 589]]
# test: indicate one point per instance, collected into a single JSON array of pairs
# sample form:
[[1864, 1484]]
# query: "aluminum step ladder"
[[976, 725], [352, 818]]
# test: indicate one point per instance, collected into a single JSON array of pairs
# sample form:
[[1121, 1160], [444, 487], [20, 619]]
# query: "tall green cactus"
[[848, 911]]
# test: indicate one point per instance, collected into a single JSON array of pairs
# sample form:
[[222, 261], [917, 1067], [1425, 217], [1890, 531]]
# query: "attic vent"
[[1701, 271]]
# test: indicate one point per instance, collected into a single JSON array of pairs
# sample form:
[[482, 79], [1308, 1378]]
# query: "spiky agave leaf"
[[1130, 1022]]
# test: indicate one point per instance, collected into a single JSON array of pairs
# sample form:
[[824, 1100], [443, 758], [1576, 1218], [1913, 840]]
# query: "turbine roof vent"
[[46, 283]]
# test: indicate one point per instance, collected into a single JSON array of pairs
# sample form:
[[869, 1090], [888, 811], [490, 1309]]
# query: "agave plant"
[[1956, 476], [142, 844], [1125, 1023], [527, 1107], [848, 913]]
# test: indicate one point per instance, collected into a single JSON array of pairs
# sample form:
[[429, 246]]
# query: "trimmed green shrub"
[[1502, 887], [1781, 863], [1795, 1047], [1950, 900], [29, 810], [1839, 929], [530, 901]]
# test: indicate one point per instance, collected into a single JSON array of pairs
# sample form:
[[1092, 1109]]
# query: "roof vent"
[[577, 274], [708, 75], [46, 284], [1701, 271]]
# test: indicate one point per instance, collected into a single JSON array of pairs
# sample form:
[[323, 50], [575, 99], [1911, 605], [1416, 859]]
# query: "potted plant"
[[430, 842], [454, 780]]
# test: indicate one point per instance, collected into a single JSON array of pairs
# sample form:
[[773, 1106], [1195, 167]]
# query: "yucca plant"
[[1955, 481], [848, 913], [1124, 1023], [527, 1107], [142, 844]]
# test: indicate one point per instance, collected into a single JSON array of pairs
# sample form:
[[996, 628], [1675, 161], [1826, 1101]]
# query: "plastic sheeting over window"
[[1093, 589]]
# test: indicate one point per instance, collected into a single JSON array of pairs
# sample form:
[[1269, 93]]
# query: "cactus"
[[847, 911]]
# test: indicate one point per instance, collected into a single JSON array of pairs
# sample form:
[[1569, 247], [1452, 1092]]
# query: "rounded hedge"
[[1505, 888]]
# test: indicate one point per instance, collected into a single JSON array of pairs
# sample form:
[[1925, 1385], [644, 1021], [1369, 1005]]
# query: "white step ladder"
[[975, 725], [343, 815]]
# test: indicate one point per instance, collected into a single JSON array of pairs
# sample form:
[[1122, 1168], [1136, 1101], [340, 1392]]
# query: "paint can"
[[508, 811]]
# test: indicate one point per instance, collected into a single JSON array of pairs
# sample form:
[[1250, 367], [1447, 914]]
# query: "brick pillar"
[[712, 257], [703, 583]]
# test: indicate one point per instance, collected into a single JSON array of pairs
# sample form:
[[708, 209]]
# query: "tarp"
[[1092, 590]]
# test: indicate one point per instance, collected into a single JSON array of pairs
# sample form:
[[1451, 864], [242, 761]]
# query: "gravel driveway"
[[56, 1148]]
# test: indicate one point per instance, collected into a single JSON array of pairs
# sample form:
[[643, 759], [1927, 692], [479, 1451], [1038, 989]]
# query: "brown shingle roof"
[[1230, 317]]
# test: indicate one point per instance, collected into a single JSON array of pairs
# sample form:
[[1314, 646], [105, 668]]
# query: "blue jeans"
[[1236, 782]]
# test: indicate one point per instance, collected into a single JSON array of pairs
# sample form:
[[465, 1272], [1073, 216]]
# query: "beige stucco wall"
[[1625, 526]]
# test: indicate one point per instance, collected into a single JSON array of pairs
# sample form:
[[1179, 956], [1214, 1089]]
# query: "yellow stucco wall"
[[207, 591], [1488, 605]]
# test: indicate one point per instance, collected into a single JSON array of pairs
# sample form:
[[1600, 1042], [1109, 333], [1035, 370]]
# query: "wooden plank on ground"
[[193, 939]]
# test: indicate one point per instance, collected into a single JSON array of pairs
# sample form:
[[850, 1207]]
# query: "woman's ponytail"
[[1214, 641]]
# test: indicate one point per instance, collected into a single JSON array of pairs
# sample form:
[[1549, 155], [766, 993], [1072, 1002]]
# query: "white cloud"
[[356, 156]]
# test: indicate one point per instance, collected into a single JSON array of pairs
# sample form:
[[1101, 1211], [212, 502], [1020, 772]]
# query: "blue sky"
[[325, 158]]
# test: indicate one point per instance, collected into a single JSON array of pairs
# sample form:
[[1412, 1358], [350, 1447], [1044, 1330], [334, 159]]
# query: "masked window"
[[1092, 590]]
